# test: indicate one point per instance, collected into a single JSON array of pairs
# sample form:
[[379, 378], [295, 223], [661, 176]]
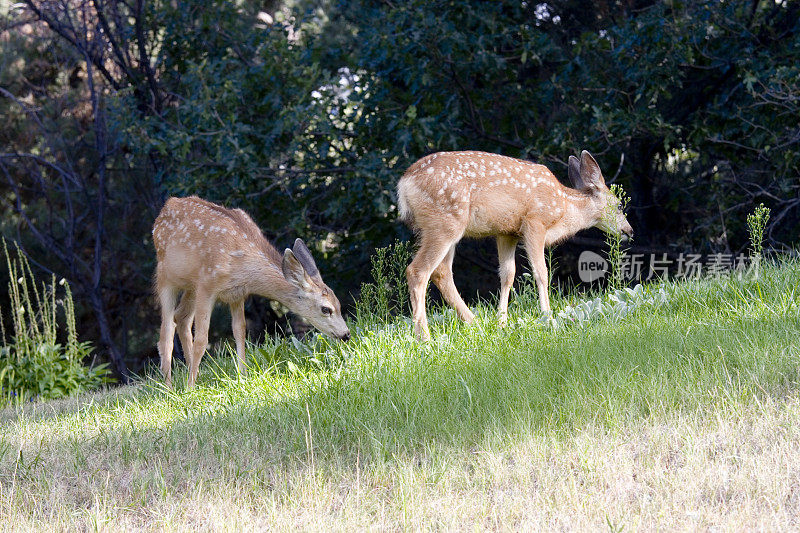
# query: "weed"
[[616, 254], [387, 295], [756, 223], [33, 363]]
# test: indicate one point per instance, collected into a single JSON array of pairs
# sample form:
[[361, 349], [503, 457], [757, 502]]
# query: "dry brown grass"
[[728, 471]]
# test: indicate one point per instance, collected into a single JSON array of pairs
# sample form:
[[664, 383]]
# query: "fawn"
[[446, 196], [211, 253]]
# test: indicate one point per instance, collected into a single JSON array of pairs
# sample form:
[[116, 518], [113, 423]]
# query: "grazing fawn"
[[449, 195], [211, 253]]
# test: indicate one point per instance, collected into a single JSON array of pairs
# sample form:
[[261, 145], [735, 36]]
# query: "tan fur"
[[208, 253], [449, 195]]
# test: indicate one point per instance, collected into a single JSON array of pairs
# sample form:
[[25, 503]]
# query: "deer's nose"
[[628, 231], [345, 337]]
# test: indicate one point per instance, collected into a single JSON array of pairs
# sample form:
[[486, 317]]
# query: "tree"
[[72, 188], [307, 113]]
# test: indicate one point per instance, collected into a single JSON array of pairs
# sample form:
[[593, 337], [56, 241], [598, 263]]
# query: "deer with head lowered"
[[449, 195], [209, 253]]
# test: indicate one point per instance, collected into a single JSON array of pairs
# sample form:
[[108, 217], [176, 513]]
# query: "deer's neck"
[[579, 213], [266, 279]]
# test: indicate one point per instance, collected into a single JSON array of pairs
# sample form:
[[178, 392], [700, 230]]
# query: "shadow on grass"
[[379, 404], [467, 394]]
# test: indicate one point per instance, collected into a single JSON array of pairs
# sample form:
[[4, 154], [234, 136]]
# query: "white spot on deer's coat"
[[430, 170], [237, 253]]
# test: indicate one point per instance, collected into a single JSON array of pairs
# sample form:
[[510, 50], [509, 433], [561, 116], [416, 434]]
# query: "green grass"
[[682, 414]]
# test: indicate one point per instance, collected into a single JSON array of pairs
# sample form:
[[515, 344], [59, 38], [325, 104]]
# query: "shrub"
[[33, 363], [388, 295]]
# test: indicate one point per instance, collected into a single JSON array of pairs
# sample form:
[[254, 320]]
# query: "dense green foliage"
[[307, 114]]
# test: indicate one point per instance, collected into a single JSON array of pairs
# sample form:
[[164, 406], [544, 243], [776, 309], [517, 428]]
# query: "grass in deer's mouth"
[[685, 404]]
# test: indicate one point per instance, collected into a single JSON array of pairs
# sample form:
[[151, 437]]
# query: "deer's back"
[[196, 239], [480, 193]]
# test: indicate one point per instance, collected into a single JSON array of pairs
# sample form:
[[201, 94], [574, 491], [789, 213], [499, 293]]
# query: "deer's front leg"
[[534, 246], [506, 248]]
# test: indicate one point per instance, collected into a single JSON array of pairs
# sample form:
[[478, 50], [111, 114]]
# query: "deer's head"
[[586, 176], [314, 301]]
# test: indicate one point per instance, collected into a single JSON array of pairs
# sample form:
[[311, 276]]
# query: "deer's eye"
[[327, 311]]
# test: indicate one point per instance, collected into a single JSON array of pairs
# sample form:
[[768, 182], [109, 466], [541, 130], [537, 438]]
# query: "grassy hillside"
[[683, 413]]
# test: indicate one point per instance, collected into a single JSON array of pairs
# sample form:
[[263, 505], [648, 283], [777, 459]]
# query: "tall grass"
[[697, 342], [34, 363]]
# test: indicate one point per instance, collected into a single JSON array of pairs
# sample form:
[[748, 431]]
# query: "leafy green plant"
[[387, 294], [616, 254], [34, 363], [613, 306], [756, 223]]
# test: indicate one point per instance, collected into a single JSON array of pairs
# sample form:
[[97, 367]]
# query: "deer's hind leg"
[[204, 304], [442, 277], [434, 247], [184, 317], [167, 297], [239, 332]]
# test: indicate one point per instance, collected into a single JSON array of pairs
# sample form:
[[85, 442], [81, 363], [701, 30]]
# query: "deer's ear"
[[294, 272], [590, 171], [302, 253], [574, 170]]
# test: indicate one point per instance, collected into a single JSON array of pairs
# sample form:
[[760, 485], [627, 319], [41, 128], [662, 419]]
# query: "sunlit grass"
[[621, 422]]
